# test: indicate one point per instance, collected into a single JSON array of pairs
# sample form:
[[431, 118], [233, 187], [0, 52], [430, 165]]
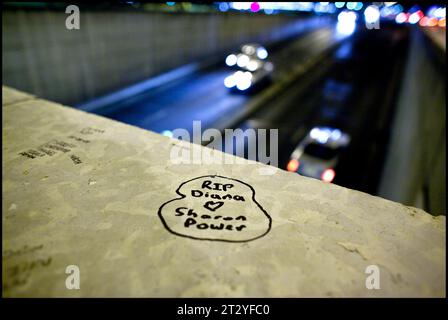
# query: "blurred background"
[[355, 89]]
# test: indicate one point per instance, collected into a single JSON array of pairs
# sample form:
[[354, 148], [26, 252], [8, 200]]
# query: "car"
[[252, 70], [251, 52], [318, 153]]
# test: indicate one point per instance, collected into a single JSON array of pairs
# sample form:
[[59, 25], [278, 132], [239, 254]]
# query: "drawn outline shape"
[[182, 196]]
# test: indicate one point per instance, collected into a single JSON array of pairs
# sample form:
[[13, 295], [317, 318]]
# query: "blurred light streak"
[[346, 23], [401, 18], [415, 17], [231, 60], [223, 7], [371, 14], [432, 22]]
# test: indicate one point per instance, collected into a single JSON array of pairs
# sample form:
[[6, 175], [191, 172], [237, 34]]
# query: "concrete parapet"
[[85, 191]]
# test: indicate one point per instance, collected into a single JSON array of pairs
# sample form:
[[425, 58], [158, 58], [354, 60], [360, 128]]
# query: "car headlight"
[[229, 81], [253, 65], [262, 53], [243, 80], [242, 61], [231, 60]]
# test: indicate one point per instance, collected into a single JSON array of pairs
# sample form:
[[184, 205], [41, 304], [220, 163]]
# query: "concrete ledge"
[[11, 96], [104, 196]]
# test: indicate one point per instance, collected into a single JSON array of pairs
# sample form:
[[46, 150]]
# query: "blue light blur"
[[305, 6], [324, 7], [344, 51], [391, 12], [414, 9], [332, 8], [223, 7], [351, 5], [386, 12], [398, 8], [272, 7], [358, 6], [431, 11], [167, 133]]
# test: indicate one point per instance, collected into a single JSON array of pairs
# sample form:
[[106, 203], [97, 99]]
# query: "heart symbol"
[[212, 205]]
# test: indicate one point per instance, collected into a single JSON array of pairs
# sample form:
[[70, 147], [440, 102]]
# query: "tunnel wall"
[[114, 49], [415, 171]]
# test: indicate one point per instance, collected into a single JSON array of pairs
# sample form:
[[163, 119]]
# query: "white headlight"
[[372, 14], [229, 81], [243, 85], [252, 65], [346, 23], [231, 60], [262, 53], [243, 80], [321, 136], [242, 61], [336, 134]]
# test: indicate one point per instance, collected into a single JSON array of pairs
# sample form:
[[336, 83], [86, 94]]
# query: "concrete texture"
[[11, 96], [83, 190], [114, 49]]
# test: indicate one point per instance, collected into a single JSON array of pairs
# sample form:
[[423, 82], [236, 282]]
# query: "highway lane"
[[356, 95], [202, 96], [346, 91]]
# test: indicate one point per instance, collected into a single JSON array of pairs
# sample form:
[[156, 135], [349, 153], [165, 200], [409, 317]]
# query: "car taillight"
[[293, 165], [328, 175]]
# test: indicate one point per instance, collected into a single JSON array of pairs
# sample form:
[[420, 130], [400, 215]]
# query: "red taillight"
[[328, 175], [293, 165], [424, 21]]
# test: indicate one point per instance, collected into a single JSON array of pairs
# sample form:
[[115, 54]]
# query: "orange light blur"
[[432, 22], [442, 22], [293, 165]]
